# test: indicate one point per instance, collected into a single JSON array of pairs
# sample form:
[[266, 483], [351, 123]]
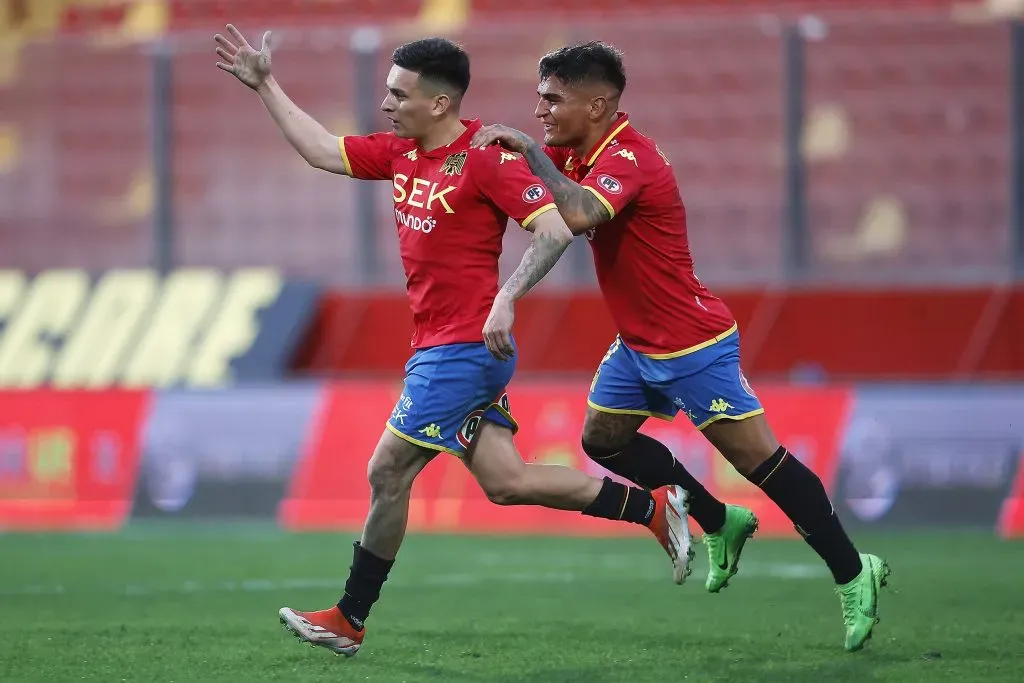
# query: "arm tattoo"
[[578, 206], [544, 251]]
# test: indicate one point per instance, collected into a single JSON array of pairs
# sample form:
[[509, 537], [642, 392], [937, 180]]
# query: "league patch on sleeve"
[[609, 184], [533, 194]]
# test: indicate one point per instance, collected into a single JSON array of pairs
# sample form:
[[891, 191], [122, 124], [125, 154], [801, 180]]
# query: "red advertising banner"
[[68, 459], [330, 491]]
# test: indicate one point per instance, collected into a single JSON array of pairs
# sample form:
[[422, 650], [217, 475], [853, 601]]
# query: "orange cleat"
[[671, 527], [327, 628]]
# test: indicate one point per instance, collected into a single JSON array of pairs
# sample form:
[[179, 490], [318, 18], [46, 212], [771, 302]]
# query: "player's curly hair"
[[438, 60], [593, 62]]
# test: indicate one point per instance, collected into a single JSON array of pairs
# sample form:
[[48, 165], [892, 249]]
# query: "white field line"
[[775, 570]]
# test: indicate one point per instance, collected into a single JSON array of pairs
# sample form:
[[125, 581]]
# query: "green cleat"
[[860, 600], [724, 546]]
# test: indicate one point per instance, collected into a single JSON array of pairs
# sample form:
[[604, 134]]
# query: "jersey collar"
[[457, 145], [620, 124]]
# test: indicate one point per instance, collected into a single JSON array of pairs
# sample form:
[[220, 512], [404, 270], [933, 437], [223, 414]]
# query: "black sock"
[[365, 578], [621, 502], [800, 494], [649, 463]]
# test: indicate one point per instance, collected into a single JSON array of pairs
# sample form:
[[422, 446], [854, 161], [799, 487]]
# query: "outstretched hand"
[[507, 137], [247, 64]]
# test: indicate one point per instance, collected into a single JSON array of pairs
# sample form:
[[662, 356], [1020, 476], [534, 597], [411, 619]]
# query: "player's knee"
[[504, 492], [745, 458], [387, 479], [504, 486], [599, 451]]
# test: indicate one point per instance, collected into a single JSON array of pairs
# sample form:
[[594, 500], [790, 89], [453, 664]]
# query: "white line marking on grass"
[[774, 570]]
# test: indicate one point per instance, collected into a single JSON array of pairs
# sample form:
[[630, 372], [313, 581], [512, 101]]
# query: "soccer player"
[[678, 345], [452, 204]]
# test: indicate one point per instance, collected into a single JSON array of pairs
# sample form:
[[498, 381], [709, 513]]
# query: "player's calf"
[[499, 469]]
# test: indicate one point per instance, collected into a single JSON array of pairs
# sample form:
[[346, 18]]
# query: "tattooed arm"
[[580, 208], [551, 237]]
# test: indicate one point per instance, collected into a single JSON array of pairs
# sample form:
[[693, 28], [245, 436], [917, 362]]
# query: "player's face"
[[412, 110], [564, 112]]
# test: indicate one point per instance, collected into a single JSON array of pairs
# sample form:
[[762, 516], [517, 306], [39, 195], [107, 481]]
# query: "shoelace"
[[849, 600], [715, 543]]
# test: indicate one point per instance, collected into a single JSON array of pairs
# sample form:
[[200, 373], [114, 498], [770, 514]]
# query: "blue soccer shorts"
[[448, 390], [706, 384]]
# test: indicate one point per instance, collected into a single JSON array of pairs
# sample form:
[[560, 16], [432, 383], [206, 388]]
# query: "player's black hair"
[[593, 62], [438, 60]]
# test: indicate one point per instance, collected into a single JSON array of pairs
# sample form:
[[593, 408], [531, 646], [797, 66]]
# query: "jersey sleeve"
[[506, 180], [616, 178], [368, 157]]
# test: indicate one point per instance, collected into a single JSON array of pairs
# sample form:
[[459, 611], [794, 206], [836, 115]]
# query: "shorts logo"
[[469, 428], [719, 405], [432, 431], [609, 184], [746, 384], [401, 410], [472, 422], [532, 194]]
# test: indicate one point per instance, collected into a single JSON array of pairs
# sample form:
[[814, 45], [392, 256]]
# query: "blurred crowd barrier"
[[295, 455], [121, 145]]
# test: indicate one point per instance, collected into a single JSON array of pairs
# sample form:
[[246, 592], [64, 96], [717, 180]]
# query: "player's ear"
[[598, 107], [442, 103]]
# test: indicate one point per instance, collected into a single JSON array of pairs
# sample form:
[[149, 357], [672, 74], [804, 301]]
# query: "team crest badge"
[[453, 164]]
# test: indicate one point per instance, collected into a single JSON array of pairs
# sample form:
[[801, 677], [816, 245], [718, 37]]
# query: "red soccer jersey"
[[451, 208], [642, 254]]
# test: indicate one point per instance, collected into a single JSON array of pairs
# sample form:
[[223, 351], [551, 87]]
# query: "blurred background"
[[201, 339], [195, 324]]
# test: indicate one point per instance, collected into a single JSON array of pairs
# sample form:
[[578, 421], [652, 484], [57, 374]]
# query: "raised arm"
[[581, 209], [310, 139]]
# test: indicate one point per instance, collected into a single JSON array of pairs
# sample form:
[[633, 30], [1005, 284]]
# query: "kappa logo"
[[432, 431], [610, 184], [719, 405], [627, 155], [410, 155], [507, 156], [532, 194]]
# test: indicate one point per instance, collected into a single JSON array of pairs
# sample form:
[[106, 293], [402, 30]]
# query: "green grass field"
[[191, 604]]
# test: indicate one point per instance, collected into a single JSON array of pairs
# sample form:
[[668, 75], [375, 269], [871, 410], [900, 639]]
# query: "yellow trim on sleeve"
[[607, 204], [607, 140], [422, 444], [544, 209], [696, 347], [624, 411], [737, 418], [344, 157]]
